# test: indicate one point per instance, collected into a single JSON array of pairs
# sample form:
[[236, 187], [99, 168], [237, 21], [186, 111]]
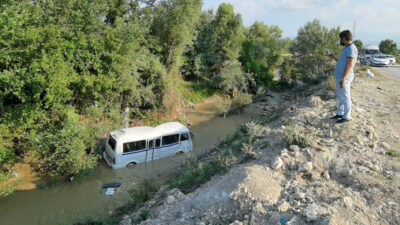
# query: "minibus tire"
[[179, 153], [131, 164]]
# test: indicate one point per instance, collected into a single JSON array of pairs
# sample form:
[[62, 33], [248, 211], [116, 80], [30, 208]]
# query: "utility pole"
[[354, 29]]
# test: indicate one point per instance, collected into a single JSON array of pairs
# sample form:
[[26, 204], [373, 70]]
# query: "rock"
[[284, 207], [277, 164], [313, 212], [325, 174], [294, 148], [295, 220], [236, 223], [292, 166], [348, 202], [386, 145], [259, 208], [306, 167], [300, 196], [201, 223], [170, 200], [127, 220], [372, 166]]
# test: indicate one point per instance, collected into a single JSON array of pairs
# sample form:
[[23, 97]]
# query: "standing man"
[[344, 75]]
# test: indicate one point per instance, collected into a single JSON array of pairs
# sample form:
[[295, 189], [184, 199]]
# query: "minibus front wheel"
[[131, 164]]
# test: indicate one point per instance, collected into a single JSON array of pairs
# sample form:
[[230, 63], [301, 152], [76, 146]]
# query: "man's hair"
[[346, 34]]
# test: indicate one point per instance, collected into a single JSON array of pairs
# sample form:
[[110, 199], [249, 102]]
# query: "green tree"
[[60, 60], [201, 57], [268, 37], [312, 42], [174, 26], [358, 44], [388, 47], [227, 34], [253, 58]]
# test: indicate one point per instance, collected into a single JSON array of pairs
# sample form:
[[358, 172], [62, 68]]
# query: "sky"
[[375, 20]]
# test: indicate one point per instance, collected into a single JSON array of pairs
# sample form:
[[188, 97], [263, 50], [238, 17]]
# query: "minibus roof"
[[146, 132]]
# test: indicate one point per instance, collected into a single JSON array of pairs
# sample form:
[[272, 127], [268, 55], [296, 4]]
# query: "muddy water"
[[61, 204]]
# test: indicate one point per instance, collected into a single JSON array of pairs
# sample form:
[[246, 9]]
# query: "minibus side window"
[[184, 137], [134, 146], [158, 143], [151, 144], [112, 142], [170, 139]]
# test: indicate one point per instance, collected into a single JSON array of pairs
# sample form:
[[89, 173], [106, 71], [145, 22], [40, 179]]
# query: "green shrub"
[[144, 191], [294, 136], [7, 156], [232, 79], [240, 100], [222, 109]]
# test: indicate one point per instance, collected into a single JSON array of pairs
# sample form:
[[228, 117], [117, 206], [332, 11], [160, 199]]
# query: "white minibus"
[[135, 145]]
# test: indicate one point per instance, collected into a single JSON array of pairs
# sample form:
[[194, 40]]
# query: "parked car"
[[367, 52], [392, 59], [380, 60]]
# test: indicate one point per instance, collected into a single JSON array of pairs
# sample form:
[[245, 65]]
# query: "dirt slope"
[[308, 170]]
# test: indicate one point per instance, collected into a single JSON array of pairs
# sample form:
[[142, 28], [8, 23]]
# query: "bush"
[[232, 79], [7, 157], [293, 136], [68, 150], [240, 100], [144, 191], [222, 109], [331, 83]]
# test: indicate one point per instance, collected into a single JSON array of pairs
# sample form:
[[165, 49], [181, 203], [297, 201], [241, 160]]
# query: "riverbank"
[[306, 168]]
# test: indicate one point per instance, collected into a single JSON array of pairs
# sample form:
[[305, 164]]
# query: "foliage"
[[57, 60], [312, 42], [253, 58], [288, 74], [173, 26], [268, 37], [227, 35], [144, 191], [197, 90], [232, 79], [239, 101], [261, 52], [388, 47], [293, 135], [7, 156], [358, 44]]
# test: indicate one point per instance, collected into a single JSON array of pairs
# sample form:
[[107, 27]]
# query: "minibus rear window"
[[134, 146], [112, 142]]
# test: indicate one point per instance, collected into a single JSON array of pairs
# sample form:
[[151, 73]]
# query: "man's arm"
[[349, 64], [333, 56]]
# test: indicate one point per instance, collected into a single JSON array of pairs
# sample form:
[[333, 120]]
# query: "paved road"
[[391, 70]]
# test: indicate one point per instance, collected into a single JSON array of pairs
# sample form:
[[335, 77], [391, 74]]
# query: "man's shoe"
[[337, 117], [343, 121]]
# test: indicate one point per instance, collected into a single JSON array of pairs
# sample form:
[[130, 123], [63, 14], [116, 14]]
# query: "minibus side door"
[[152, 153], [149, 151]]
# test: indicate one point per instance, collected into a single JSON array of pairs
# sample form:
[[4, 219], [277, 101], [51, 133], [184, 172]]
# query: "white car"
[[392, 59], [380, 60]]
